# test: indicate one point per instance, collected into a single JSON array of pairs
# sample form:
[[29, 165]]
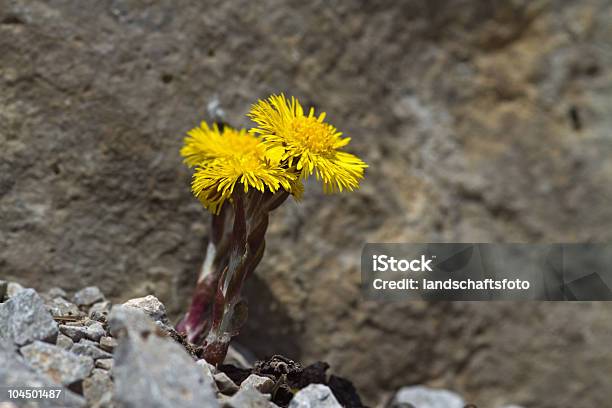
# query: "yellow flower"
[[205, 144], [228, 158], [306, 142]]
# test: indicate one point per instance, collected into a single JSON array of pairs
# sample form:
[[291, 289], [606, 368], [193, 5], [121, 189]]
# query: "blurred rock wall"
[[481, 121]]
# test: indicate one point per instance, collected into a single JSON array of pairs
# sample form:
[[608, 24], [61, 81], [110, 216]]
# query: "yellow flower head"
[[306, 142], [228, 158], [204, 144]]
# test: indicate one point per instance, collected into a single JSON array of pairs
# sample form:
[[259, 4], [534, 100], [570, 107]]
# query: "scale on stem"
[[240, 177]]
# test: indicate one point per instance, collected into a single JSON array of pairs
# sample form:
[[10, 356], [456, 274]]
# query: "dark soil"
[[290, 377]]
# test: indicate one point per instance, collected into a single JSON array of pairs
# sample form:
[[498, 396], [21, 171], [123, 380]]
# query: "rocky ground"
[[127, 355]]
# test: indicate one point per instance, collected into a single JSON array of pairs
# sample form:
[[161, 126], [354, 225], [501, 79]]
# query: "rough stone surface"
[[208, 371], [259, 383], [64, 341], [15, 373], [315, 396], [61, 307], [89, 348], [12, 289], [104, 363], [99, 311], [150, 370], [24, 319], [88, 296], [423, 397], [93, 331], [225, 384], [480, 121], [151, 306], [98, 388], [108, 343], [248, 398], [56, 292], [60, 365]]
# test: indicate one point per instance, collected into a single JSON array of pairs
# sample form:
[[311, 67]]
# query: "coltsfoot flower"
[[306, 143], [255, 172], [205, 144], [230, 157]]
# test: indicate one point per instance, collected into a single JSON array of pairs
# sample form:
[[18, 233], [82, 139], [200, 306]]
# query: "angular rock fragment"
[[88, 296], [248, 398], [125, 320], [98, 387], [89, 348], [425, 397], [61, 366], [99, 311], [105, 363], [315, 396], [259, 383], [152, 370], [92, 330], [208, 370], [60, 307], [56, 292], [151, 306], [225, 384], [64, 342], [12, 289], [24, 319], [108, 343]]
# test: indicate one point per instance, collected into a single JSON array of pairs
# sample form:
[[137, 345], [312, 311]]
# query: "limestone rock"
[[88, 296], [225, 384], [151, 306], [259, 383], [98, 387], [89, 348], [15, 373], [24, 319], [153, 370], [314, 396], [92, 330], [60, 365], [12, 289], [248, 398], [108, 343], [59, 306], [424, 397]]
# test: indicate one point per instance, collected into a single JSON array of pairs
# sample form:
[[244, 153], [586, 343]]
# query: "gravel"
[[131, 357]]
